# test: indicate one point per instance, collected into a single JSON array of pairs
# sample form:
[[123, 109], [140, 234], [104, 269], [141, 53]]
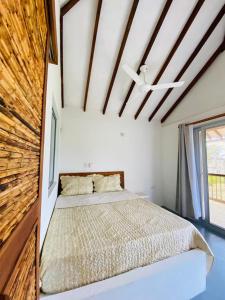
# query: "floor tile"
[[215, 289]]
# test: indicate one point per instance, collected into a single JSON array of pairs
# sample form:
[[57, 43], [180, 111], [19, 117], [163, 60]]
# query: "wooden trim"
[[191, 58], [148, 49], [12, 278], [194, 81], [172, 52], [66, 7], [9, 254], [122, 46], [218, 175], [207, 119], [98, 12], [53, 32], [108, 173], [223, 44], [4, 297], [41, 166], [61, 58]]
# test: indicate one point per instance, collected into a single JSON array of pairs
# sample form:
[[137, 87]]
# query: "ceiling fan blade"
[[167, 85], [145, 88], [133, 75]]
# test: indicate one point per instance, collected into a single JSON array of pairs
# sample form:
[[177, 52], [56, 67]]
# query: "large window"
[[52, 149], [210, 150]]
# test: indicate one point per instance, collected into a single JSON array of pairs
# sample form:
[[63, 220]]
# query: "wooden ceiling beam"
[[61, 59], [218, 51], [223, 44], [172, 52], [66, 7], [122, 46], [191, 58], [207, 119], [98, 12], [148, 49]]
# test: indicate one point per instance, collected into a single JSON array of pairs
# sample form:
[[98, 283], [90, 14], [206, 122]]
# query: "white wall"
[[147, 152], [207, 98], [111, 143], [53, 100]]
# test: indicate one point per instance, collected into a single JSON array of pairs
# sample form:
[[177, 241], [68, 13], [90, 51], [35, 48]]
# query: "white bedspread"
[[89, 243], [95, 198]]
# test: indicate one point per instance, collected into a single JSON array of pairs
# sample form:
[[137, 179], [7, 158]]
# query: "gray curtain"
[[188, 201]]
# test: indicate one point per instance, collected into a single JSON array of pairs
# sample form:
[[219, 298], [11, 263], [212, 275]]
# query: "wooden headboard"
[[121, 173]]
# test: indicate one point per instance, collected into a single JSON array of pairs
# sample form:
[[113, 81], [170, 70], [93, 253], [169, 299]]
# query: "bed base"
[[177, 278]]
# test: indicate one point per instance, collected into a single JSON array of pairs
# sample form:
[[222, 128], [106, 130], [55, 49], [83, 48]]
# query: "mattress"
[[89, 243], [94, 198]]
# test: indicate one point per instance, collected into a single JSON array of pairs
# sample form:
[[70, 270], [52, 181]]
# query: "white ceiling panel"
[[165, 40], [77, 29], [192, 38], [78, 33], [112, 24], [211, 45], [139, 36]]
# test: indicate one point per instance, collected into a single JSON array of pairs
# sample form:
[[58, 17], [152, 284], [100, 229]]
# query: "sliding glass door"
[[210, 156]]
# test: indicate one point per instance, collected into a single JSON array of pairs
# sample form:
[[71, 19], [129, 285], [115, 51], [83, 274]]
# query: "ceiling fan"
[[142, 82]]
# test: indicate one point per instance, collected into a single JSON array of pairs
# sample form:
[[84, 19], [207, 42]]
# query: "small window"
[[52, 149]]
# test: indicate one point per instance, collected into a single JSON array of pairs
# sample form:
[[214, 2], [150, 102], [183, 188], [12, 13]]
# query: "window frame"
[[53, 160], [202, 167]]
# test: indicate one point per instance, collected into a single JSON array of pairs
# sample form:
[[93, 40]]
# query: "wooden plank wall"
[[23, 281], [22, 60]]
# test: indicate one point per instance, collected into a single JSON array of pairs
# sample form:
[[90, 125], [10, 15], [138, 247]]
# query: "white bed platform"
[[177, 278]]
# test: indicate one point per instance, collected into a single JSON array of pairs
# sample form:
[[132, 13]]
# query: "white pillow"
[[95, 176], [107, 183], [76, 185]]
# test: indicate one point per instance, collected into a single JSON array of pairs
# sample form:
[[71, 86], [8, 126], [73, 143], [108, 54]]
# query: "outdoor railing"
[[216, 187]]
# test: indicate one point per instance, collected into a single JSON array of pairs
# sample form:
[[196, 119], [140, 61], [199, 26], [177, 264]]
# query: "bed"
[[116, 245]]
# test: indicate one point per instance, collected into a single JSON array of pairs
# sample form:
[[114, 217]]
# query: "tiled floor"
[[216, 278]]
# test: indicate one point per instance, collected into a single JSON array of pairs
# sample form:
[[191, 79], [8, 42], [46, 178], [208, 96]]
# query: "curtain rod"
[[207, 119]]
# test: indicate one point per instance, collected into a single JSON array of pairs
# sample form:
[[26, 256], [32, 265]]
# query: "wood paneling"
[[22, 283], [12, 249], [24, 46], [22, 58]]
